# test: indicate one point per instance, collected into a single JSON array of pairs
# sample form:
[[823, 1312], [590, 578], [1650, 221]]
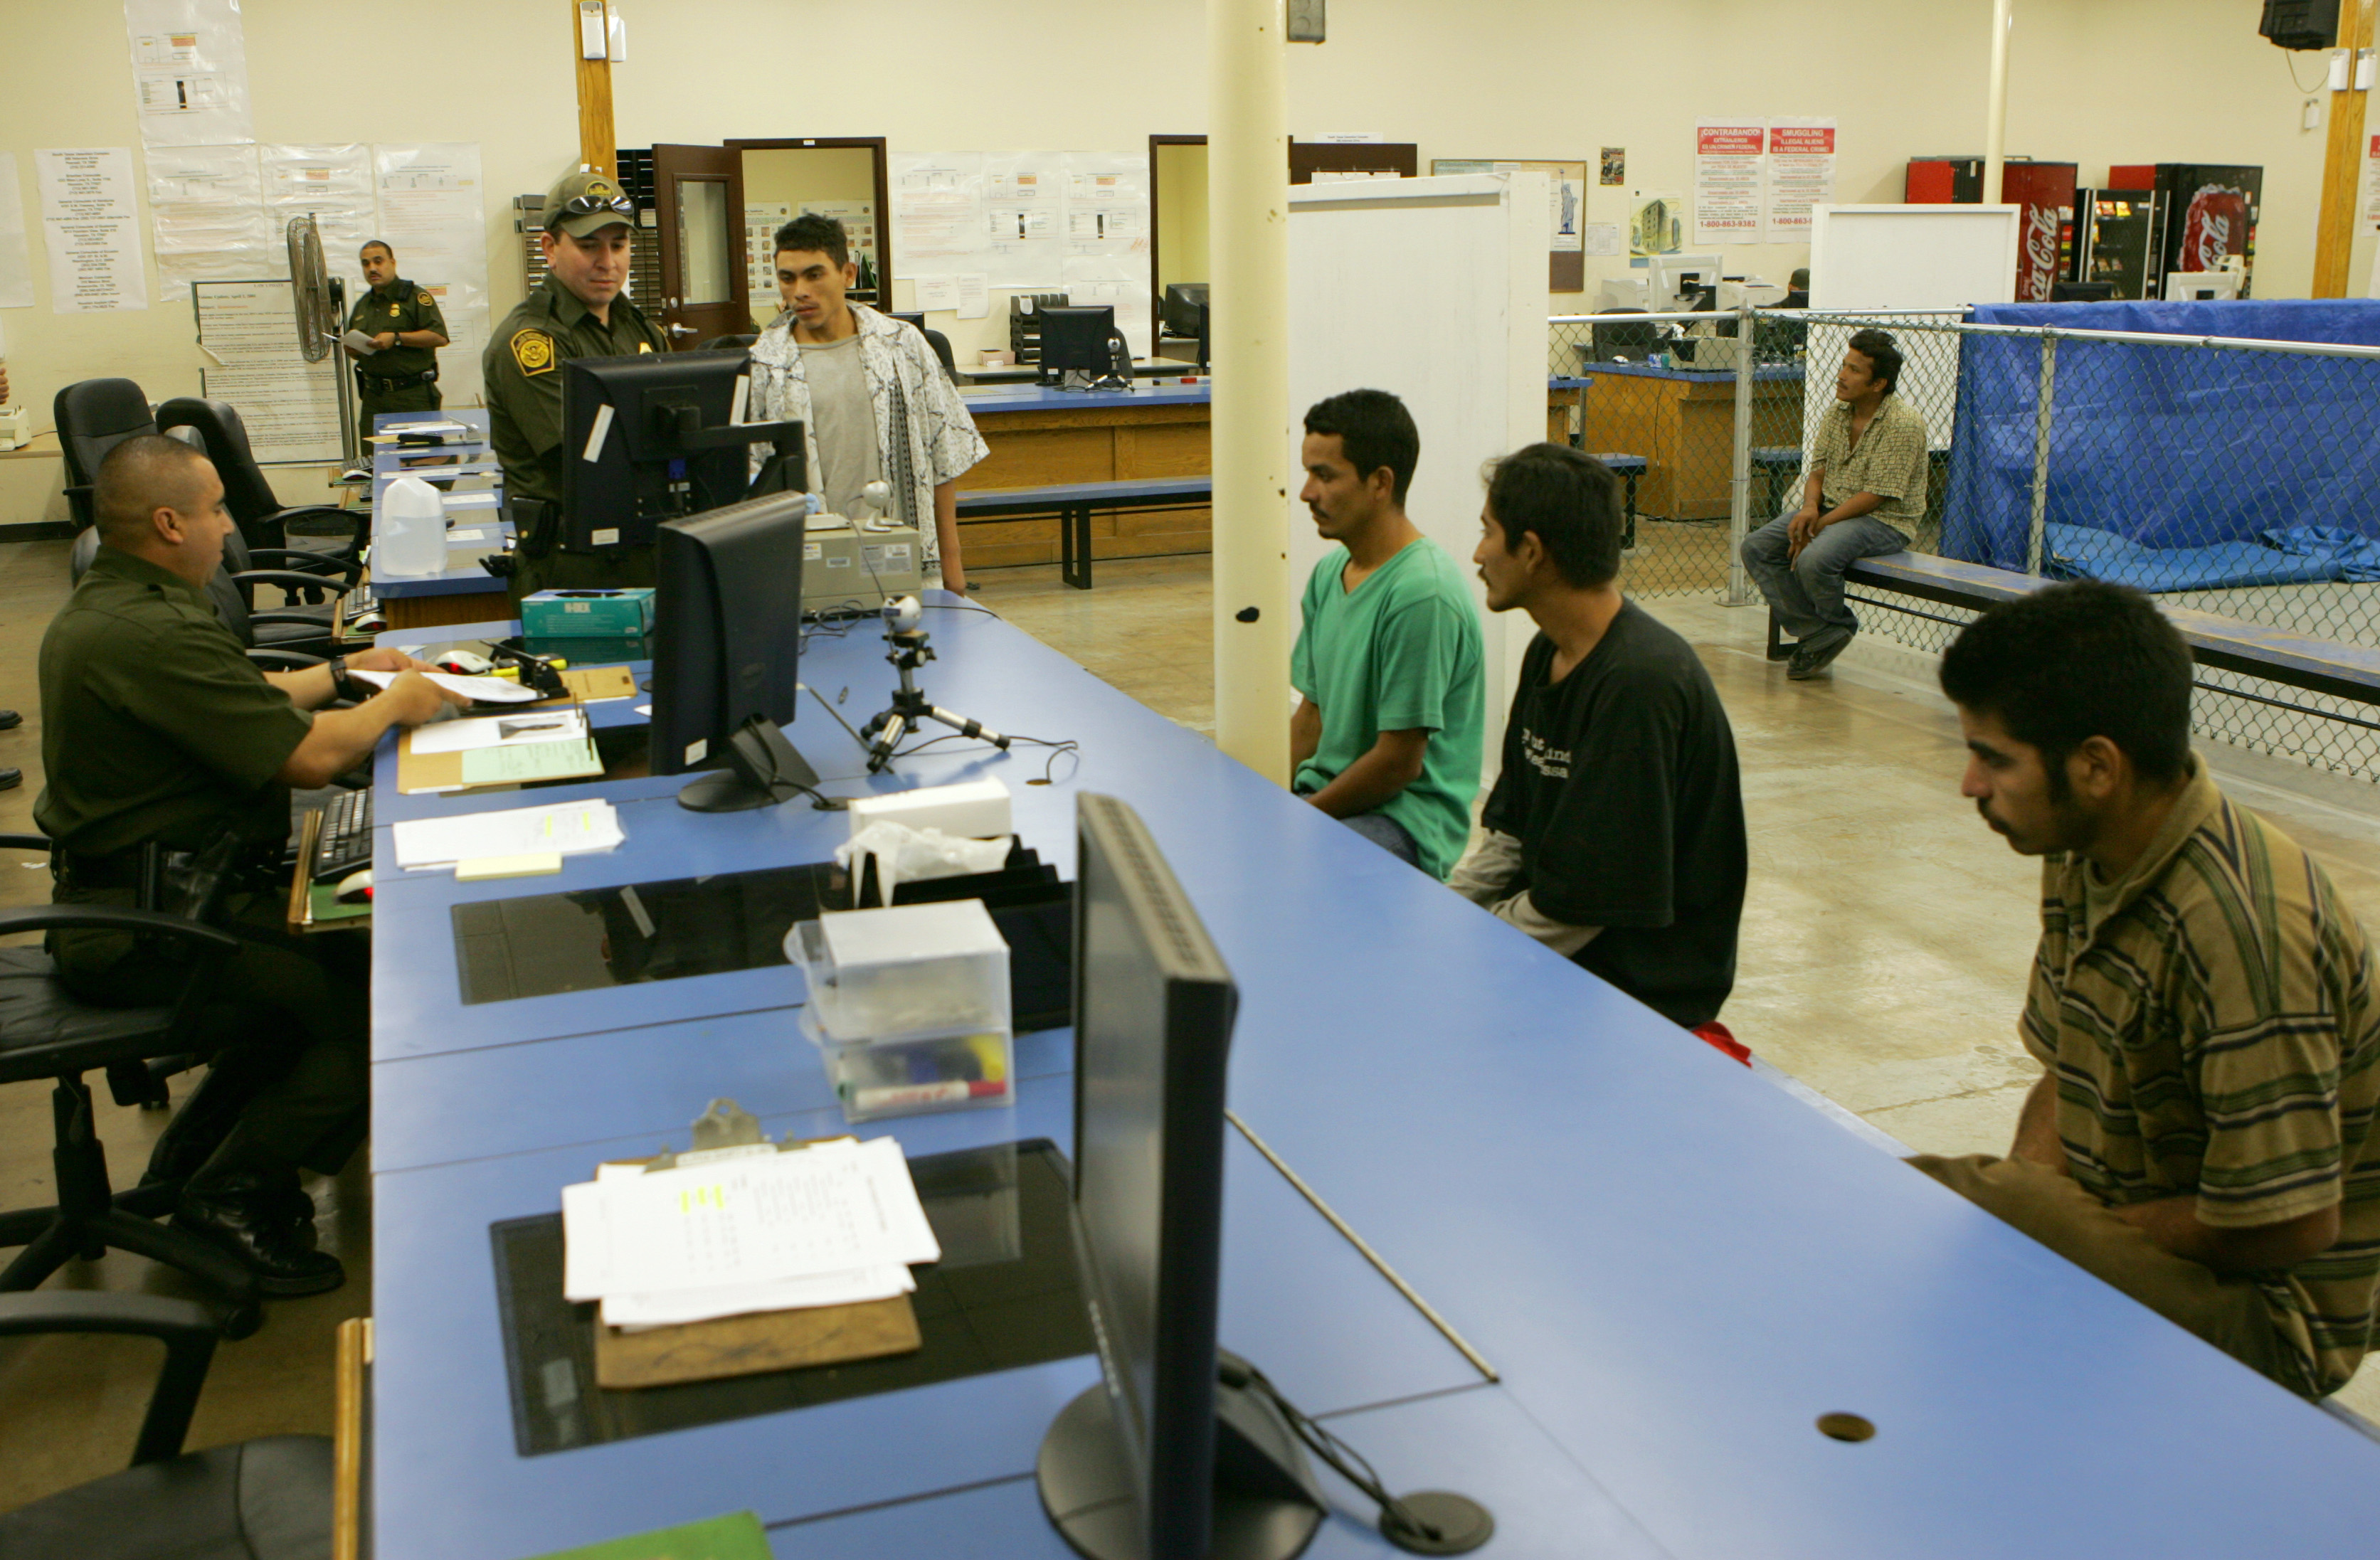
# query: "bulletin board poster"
[[1657, 223], [1566, 271], [2372, 181], [189, 72], [1729, 180], [1801, 176]]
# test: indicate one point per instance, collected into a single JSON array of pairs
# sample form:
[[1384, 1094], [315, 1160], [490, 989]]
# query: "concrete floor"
[[1886, 940]]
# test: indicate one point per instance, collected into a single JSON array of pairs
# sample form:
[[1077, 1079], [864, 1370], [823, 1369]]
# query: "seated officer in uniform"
[[577, 311], [159, 732], [400, 372]]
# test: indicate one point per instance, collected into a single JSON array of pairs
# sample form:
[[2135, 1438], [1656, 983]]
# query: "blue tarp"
[[2294, 555], [2178, 452]]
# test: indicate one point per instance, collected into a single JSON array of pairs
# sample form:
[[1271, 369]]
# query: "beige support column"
[[2342, 164], [1995, 101], [599, 146], [1247, 199]]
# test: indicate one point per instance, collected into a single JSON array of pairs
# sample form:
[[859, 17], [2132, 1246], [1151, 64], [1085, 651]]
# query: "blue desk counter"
[[1675, 1266]]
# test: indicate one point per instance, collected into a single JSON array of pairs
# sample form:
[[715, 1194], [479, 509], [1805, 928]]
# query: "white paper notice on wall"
[[16, 254], [432, 207], [1728, 191], [207, 217], [90, 226], [1601, 240], [248, 331], [975, 294], [938, 294], [189, 72], [1801, 176]]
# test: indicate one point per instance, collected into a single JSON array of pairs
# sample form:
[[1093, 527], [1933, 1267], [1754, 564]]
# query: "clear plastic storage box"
[[909, 1006]]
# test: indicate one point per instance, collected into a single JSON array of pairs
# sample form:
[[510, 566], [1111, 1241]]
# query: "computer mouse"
[[464, 663], [355, 886]]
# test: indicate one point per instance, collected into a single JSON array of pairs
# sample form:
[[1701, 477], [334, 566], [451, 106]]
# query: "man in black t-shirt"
[[1615, 833]]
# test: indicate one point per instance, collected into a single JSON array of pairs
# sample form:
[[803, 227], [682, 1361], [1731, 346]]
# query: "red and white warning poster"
[[1801, 176], [1727, 180]]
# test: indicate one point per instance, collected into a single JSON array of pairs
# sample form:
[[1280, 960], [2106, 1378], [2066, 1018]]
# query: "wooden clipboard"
[[745, 1346]]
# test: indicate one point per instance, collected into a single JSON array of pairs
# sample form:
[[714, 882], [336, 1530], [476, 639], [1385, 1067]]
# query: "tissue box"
[[976, 810], [906, 972], [580, 614]]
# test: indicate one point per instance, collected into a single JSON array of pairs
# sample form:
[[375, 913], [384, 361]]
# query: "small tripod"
[[910, 707]]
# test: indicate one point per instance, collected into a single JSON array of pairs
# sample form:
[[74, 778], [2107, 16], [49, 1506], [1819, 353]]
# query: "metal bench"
[[1075, 502], [2275, 655]]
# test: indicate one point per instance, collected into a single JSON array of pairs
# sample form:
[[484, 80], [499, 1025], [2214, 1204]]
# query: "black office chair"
[[942, 345], [93, 417], [265, 1499], [279, 639], [1623, 344], [264, 520], [47, 1031]]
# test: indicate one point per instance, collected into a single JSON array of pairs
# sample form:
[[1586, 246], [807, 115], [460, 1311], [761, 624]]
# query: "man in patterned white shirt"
[[870, 392]]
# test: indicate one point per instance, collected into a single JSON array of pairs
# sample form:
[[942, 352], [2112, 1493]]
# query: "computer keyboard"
[[345, 842]]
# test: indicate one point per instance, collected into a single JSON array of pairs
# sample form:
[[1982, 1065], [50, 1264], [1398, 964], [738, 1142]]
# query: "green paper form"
[[512, 762], [723, 1538]]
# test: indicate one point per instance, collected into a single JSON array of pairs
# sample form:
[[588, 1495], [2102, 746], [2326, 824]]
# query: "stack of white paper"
[[554, 723], [479, 690], [739, 1231], [566, 828]]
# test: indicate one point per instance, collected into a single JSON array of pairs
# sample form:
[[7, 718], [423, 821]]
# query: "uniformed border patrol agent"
[[577, 311], [159, 733], [402, 317]]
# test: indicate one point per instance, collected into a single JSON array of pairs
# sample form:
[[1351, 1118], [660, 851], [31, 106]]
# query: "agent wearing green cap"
[[577, 311]]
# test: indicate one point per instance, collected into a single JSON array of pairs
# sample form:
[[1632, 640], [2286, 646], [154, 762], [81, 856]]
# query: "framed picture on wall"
[[1566, 264]]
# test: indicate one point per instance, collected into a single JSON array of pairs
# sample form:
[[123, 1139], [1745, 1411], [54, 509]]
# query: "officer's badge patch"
[[599, 190], [644, 346], [393, 310], [533, 350]]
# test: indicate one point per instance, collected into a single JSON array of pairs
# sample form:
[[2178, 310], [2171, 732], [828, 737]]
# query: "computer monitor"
[[2202, 287], [727, 621], [659, 437], [1078, 346], [1160, 1462], [1205, 338], [1672, 279], [1182, 302]]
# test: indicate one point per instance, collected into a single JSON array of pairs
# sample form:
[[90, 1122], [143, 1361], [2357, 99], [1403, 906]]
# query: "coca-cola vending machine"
[[2046, 191], [2205, 213]]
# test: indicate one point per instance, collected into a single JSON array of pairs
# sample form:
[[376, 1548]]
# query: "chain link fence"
[[2239, 477]]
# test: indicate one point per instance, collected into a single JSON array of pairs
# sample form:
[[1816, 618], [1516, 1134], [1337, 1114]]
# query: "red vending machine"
[[2206, 212], [2046, 191]]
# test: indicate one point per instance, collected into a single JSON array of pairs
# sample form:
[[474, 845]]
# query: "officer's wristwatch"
[[341, 687]]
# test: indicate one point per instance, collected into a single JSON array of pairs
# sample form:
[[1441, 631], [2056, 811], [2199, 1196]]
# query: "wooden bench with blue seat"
[[2275, 655], [1075, 502]]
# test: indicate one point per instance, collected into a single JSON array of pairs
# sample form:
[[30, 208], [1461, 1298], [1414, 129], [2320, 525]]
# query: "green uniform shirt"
[[523, 371], [1401, 652], [402, 307], [155, 725]]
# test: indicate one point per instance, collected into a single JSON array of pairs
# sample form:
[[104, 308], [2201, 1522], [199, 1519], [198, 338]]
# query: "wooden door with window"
[[699, 212]]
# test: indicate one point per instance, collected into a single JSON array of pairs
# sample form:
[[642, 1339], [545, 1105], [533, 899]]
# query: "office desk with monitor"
[[463, 591], [1675, 1268], [1682, 422]]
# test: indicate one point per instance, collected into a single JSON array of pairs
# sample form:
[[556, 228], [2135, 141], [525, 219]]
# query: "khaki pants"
[[2227, 1312]]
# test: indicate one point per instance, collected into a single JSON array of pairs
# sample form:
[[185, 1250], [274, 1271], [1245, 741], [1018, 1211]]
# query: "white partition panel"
[[1433, 290]]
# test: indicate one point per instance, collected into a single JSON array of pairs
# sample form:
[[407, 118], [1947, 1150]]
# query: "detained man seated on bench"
[[2202, 1000], [1865, 496], [1615, 834]]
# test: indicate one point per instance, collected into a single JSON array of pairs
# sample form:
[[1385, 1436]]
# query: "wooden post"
[[2342, 163], [598, 145]]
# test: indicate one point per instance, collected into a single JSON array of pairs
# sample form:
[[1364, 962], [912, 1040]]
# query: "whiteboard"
[[1435, 290], [1913, 257]]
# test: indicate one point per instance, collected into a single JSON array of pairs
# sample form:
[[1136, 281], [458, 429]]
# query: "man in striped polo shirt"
[[2202, 1000]]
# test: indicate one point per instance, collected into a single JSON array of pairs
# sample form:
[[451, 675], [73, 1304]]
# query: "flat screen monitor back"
[[641, 473], [1076, 338], [1130, 1467], [727, 618]]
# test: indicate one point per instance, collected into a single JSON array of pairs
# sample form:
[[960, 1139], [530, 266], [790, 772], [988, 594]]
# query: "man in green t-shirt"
[[1387, 731]]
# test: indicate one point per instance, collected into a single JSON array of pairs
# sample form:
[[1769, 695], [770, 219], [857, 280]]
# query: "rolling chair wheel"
[[242, 1319]]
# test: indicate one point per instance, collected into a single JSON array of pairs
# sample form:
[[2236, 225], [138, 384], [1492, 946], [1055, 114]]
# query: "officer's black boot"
[[248, 1213]]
